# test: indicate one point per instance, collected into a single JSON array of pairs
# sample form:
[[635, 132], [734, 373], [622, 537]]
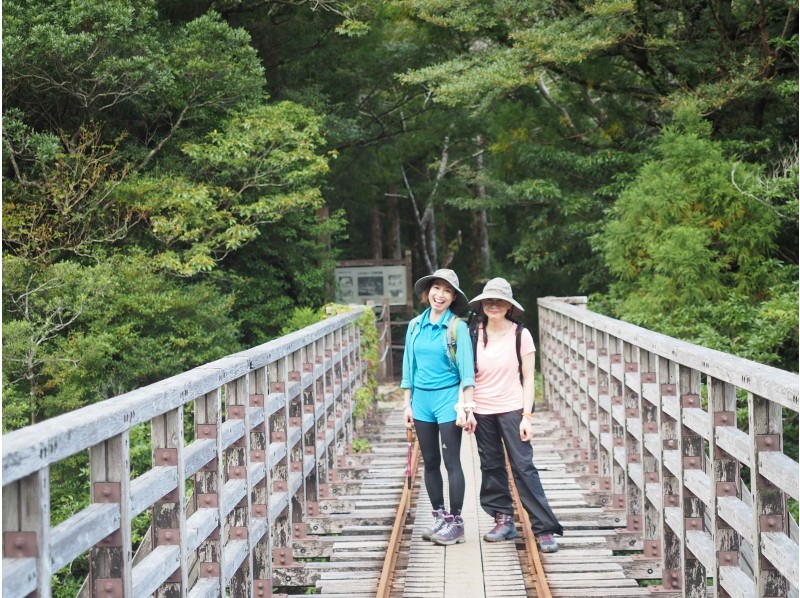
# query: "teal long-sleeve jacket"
[[437, 370]]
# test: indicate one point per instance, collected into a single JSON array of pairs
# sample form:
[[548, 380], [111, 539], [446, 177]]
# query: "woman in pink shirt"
[[504, 402]]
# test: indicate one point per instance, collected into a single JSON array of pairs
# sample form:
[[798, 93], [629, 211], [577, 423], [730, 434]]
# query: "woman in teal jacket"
[[436, 363]]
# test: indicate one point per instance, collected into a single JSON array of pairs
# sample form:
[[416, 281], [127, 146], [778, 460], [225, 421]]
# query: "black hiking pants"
[[493, 432]]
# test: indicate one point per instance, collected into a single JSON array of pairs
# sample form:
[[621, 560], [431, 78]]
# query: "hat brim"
[[459, 303], [516, 308]]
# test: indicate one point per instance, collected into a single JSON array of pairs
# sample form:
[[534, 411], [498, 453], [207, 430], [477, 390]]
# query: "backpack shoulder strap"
[[474, 332], [520, 328], [452, 334]]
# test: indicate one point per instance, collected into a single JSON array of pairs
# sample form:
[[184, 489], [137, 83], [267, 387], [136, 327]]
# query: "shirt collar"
[[443, 321]]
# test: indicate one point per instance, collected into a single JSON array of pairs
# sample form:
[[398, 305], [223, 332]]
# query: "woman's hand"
[[408, 416], [526, 429], [471, 424], [461, 416]]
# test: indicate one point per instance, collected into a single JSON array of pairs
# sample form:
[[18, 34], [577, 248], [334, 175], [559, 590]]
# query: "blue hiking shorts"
[[435, 405]]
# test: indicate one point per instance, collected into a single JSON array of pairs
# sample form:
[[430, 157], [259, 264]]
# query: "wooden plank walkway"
[[353, 531]]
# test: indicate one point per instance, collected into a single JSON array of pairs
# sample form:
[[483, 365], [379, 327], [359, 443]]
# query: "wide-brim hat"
[[498, 288], [459, 302]]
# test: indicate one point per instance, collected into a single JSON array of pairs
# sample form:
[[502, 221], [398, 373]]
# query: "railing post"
[[208, 484], [769, 504], [724, 475], [110, 563], [169, 512], [26, 530]]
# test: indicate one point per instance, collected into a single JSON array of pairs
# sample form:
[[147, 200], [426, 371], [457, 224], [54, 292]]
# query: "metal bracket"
[[207, 501], [165, 457], [209, 569], [258, 456], [768, 442], [672, 579], [235, 411], [262, 588], [652, 549], [690, 401], [729, 558], [168, 536], [237, 533], [634, 523], [19, 545], [256, 400], [770, 523], [108, 587], [107, 492], [693, 523], [631, 366], [649, 377], [724, 418], [299, 530], [693, 462], [672, 500], [237, 473], [259, 510], [277, 387], [726, 489], [667, 390], [281, 557], [206, 431], [279, 486]]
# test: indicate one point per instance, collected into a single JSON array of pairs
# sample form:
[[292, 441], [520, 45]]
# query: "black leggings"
[[428, 436]]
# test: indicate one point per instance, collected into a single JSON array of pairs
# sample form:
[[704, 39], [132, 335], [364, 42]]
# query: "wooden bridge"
[[254, 488]]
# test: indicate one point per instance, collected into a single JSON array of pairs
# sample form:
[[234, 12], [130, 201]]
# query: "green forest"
[[180, 177]]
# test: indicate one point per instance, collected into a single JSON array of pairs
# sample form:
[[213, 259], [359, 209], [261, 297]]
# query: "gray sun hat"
[[450, 277], [498, 288]]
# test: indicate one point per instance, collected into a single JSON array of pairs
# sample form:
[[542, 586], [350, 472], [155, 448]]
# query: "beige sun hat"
[[450, 277], [498, 288]]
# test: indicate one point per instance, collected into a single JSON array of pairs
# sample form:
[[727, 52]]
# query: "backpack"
[[474, 333]]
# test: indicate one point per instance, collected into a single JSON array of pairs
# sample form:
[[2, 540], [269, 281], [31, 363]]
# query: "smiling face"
[[440, 295], [495, 308]]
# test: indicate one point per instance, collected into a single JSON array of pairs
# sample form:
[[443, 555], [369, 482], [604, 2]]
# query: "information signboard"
[[360, 284]]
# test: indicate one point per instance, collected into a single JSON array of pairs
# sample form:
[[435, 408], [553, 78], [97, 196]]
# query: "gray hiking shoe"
[[546, 543], [452, 531], [438, 522], [503, 529]]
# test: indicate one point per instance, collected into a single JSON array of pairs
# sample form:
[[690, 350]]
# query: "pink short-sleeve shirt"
[[497, 386]]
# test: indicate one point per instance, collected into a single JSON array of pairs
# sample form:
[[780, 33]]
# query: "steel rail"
[[393, 550], [535, 567]]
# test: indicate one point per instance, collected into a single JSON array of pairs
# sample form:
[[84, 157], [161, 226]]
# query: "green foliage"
[[362, 445], [691, 247], [74, 334], [257, 167], [300, 318]]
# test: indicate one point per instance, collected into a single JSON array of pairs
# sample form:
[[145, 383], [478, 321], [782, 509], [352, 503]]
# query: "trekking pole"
[[410, 440]]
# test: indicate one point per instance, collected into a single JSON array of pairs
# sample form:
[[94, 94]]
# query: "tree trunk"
[[377, 233], [393, 216], [482, 221]]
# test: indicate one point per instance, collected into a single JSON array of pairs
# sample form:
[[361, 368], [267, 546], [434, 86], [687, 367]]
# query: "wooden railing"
[[654, 421], [268, 426]]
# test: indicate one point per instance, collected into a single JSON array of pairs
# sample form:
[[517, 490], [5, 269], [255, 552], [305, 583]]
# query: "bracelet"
[[528, 415], [465, 406]]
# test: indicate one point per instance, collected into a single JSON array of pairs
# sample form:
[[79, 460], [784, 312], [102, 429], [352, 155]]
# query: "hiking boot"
[[452, 531], [546, 543], [503, 529], [438, 522]]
